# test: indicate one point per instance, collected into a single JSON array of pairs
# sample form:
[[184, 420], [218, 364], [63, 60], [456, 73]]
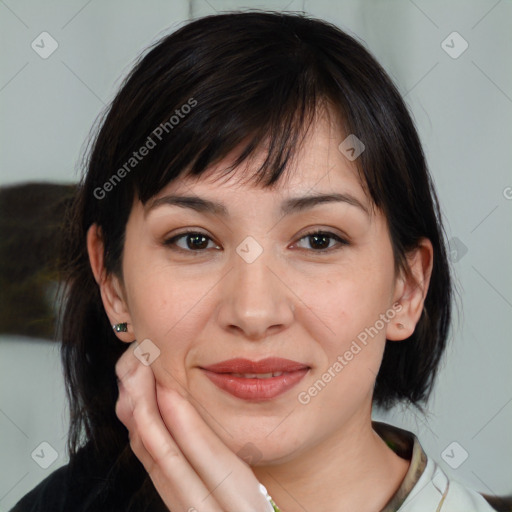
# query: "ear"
[[410, 291], [111, 287]]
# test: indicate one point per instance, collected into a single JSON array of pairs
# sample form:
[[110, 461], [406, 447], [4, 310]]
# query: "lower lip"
[[256, 389]]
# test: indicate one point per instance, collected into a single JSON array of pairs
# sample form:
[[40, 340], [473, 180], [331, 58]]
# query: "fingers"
[[234, 484], [174, 478], [183, 457]]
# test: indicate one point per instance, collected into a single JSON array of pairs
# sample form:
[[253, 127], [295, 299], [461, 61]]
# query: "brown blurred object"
[[31, 230]]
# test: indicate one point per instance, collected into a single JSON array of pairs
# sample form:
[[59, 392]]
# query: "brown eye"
[[194, 241], [319, 241]]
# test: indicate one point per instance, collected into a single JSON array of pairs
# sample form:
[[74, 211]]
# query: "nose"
[[256, 299]]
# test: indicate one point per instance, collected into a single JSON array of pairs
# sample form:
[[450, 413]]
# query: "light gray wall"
[[463, 110]]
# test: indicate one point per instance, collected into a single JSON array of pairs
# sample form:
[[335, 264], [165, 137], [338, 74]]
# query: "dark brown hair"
[[248, 77]]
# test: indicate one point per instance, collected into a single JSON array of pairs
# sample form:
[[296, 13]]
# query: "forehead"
[[317, 166]]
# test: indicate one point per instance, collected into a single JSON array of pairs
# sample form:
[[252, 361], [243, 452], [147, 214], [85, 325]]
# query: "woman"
[[255, 258]]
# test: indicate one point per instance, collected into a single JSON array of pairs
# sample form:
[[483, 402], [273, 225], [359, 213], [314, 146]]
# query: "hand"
[[190, 466]]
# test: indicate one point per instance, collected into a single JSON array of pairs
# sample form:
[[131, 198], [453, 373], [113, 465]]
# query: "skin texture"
[[207, 305]]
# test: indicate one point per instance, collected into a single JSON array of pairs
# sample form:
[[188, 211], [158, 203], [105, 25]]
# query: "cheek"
[[337, 309], [172, 309], [348, 362], [164, 301], [343, 315]]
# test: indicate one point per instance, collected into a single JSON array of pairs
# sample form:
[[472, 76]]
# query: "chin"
[[264, 453], [255, 446]]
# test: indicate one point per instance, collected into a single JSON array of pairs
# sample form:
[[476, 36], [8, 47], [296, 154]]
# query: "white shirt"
[[435, 492], [426, 487]]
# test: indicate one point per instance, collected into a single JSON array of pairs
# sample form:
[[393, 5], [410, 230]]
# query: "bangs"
[[193, 116], [239, 123]]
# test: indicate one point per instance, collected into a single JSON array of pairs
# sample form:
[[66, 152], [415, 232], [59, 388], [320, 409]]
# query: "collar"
[[426, 486], [405, 445]]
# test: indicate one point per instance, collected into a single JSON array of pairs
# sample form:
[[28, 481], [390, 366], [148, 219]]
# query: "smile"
[[256, 381]]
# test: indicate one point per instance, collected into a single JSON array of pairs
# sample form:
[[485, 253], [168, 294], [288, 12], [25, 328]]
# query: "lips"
[[256, 380], [268, 365]]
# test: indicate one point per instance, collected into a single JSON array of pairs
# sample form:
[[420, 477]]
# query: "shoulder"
[[94, 482], [70, 487], [426, 487], [437, 492], [460, 495], [50, 494]]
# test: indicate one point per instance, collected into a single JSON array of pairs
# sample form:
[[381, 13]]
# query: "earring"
[[122, 327]]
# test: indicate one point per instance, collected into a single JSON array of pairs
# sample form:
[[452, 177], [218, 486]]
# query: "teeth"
[[258, 375]]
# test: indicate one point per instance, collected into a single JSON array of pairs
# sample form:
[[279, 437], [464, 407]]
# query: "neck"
[[338, 473]]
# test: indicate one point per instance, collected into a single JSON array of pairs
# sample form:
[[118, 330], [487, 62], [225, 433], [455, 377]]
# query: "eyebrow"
[[289, 206]]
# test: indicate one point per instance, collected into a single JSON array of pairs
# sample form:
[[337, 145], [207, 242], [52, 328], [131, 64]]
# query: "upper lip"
[[268, 365]]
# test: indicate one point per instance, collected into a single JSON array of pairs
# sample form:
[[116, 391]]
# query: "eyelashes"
[[323, 235], [198, 242], [189, 235]]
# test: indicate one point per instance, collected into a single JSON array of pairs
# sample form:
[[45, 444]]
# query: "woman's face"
[[252, 285]]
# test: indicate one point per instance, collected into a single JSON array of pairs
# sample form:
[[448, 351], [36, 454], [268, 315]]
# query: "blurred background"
[[62, 62]]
